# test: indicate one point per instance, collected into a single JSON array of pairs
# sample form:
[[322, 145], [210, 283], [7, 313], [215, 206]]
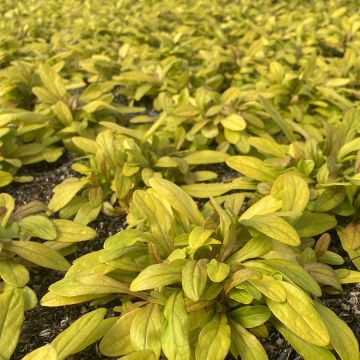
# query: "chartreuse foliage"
[[202, 284], [20, 250], [117, 163]]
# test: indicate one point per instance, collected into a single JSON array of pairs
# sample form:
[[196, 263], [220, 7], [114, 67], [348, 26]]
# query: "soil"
[[42, 324]]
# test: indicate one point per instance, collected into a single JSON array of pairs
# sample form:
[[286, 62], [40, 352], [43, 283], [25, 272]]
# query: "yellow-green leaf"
[[217, 271], [158, 275], [69, 231], [39, 226], [298, 314], [194, 277], [274, 227], [341, 337], [214, 339], [175, 329], [46, 352]]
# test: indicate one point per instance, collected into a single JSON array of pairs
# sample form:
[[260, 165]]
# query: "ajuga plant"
[[118, 162], [203, 284], [21, 229]]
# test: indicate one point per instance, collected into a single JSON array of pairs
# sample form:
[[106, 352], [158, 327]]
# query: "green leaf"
[[199, 237], [65, 192], [75, 337], [273, 227], [39, 226], [52, 81], [69, 231], [117, 339], [214, 339], [253, 168], [7, 203], [145, 331], [267, 146], [251, 316], [217, 271], [254, 248], [245, 344], [294, 192], [278, 119], [140, 355], [234, 122], [175, 329], [311, 224], [351, 235], [295, 273], [11, 318], [268, 286], [46, 352], [341, 337], [348, 148], [216, 189], [194, 277], [5, 178], [305, 349], [158, 275], [39, 254], [178, 199], [298, 314], [83, 284], [266, 205], [206, 157], [13, 273]]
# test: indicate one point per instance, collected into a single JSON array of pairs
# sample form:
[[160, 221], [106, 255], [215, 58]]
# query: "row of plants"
[[149, 95]]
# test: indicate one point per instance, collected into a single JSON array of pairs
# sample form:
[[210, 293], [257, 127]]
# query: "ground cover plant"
[[224, 134]]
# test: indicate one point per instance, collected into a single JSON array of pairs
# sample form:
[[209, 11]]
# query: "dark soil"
[[43, 324]]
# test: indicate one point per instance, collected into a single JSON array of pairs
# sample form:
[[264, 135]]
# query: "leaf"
[[178, 199], [351, 235], [13, 273], [346, 276], [312, 223], [117, 339], [11, 318], [253, 168], [175, 329], [245, 344], [251, 316], [75, 337], [254, 248], [296, 274], [7, 202], [39, 254], [294, 192], [140, 355], [205, 157], [266, 205], [341, 337], [271, 288], [298, 314], [69, 231], [5, 178], [65, 192], [217, 271], [158, 275], [306, 350], [52, 81], [39, 226], [46, 352], [278, 119], [234, 122], [194, 277], [214, 339], [83, 284], [207, 190], [199, 237], [157, 216], [267, 146], [348, 148], [145, 331], [273, 227]]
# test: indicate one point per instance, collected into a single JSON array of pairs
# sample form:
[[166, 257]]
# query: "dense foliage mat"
[[148, 96]]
